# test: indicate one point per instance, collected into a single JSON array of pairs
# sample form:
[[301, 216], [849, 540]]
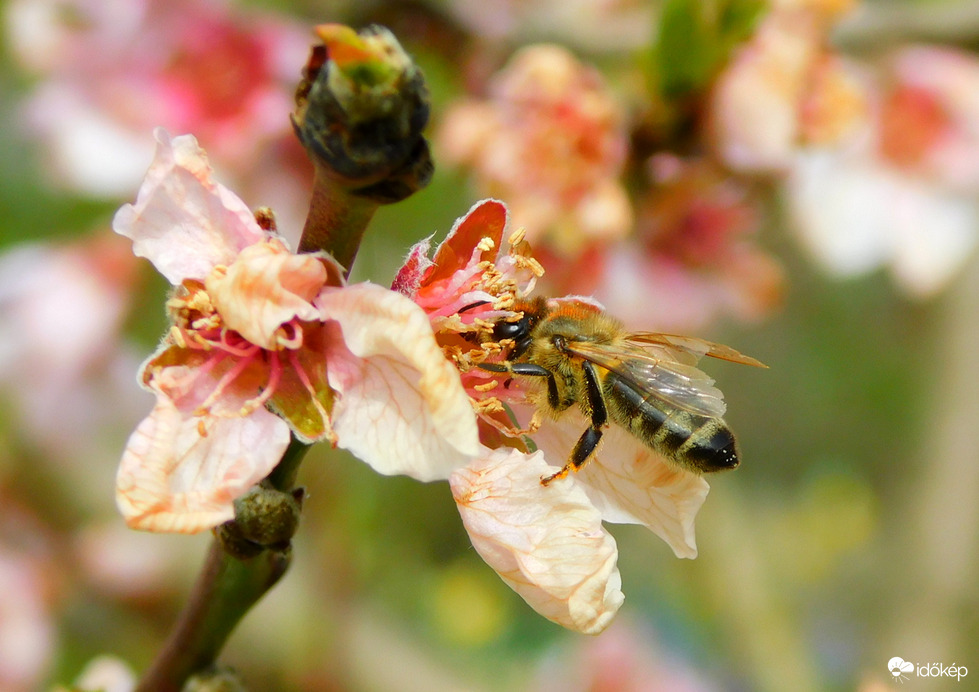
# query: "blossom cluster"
[[265, 342]]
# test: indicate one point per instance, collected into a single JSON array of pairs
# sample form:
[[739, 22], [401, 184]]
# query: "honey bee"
[[644, 382]]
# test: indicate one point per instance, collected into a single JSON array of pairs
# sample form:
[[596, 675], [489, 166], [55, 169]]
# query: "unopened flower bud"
[[264, 517], [361, 108]]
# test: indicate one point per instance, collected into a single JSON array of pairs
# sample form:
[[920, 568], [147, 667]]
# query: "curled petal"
[[265, 287], [181, 473], [485, 219], [631, 484], [401, 406], [182, 221], [547, 543]]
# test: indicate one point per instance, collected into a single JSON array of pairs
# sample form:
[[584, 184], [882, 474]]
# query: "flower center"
[[228, 356]]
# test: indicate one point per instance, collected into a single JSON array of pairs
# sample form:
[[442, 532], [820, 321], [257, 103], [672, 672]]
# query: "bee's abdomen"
[[701, 443]]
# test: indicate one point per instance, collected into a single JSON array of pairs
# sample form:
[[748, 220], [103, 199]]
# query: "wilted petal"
[[401, 406], [182, 221], [629, 483], [547, 543], [174, 479], [265, 287], [186, 377]]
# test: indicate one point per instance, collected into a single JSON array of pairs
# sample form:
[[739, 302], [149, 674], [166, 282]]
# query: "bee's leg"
[[589, 439], [531, 370]]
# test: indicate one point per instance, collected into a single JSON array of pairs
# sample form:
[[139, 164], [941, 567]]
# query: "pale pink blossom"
[[547, 543], [266, 343], [551, 140], [901, 195], [108, 72], [65, 369], [626, 658], [782, 89], [929, 120], [694, 256], [27, 628], [600, 25]]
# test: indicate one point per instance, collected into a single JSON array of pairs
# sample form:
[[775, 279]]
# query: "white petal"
[[839, 208], [173, 479], [182, 221], [547, 543], [934, 234], [855, 214], [629, 483], [401, 406]]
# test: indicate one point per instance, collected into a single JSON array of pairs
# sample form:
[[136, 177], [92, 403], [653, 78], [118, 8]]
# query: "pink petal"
[[487, 218], [401, 406], [182, 221], [546, 543], [629, 483], [263, 288], [410, 275], [173, 479], [189, 378]]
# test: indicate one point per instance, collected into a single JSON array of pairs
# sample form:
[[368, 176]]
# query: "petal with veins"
[[173, 479], [265, 287], [190, 381], [182, 221], [401, 406], [547, 543], [631, 484]]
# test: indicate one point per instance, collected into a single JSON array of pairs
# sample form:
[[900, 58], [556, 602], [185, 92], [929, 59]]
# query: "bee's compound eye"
[[512, 330]]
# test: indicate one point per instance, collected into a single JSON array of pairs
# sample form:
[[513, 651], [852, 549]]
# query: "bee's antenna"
[[474, 305]]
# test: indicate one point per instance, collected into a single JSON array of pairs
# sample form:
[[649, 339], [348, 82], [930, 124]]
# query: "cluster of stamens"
[[198, 326], [484, 292]]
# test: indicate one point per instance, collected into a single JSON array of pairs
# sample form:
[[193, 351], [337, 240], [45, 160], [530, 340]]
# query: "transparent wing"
[[656, 370], [690, 349]]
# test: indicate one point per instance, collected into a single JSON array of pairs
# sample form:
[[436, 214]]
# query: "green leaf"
[[695, 40]]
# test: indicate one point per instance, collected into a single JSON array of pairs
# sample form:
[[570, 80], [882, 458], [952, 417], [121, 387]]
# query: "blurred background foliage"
[[848, 536]]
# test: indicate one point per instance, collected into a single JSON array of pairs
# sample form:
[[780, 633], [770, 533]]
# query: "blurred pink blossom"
[[624, 659], [601, 25], [27, 634], [64, 366], [256, 325], [901, 193], [109, 72], [879, 163], [547, 543], [551, 140], [692, 258], [28, 586], [783, 88]]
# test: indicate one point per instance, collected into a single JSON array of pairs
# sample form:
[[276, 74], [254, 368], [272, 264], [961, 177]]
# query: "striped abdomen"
[[700, 443]]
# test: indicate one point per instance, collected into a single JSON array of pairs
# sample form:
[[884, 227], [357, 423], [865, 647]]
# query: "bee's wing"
[[656, 371], [690, 349]]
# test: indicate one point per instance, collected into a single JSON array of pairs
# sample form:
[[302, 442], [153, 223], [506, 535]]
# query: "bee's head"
[[519, 331]]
